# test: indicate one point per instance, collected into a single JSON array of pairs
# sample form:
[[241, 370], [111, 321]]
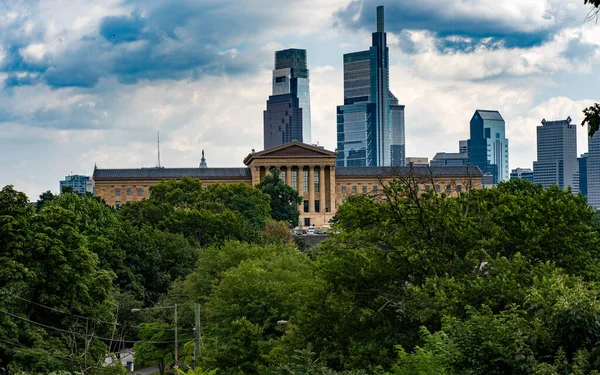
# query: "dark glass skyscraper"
[[287, 116], [370, 124], [488, 147]]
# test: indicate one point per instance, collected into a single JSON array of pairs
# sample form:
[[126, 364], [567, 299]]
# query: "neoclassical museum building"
[[311, 170]]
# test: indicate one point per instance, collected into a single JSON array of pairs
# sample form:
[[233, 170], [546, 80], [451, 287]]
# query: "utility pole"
[[176, 341], [197, 332]]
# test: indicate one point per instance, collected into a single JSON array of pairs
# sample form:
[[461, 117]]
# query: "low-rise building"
[[308, 169], [522, 173]]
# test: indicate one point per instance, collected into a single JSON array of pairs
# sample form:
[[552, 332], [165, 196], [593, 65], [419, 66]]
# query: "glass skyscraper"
[[557, 155], [287, 117], [593, 171], [488, 146], [370, 124]]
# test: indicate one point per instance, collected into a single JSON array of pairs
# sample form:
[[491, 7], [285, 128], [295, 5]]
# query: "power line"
[[93, 319], [84, 335]]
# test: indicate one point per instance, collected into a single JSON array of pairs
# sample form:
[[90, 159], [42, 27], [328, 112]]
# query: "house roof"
[[171, 173], [489, 115], [454, 170]]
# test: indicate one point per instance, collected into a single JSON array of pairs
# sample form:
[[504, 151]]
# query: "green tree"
[[156, 346], [284, 198], [43, 199]]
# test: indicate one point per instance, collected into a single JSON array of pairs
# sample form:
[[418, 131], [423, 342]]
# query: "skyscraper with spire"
[[370, 124]]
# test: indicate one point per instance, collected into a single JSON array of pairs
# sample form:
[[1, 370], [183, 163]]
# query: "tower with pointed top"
[[203, 161], [370, 124]]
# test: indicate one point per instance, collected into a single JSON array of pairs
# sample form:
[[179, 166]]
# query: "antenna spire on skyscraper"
[[380, 20]]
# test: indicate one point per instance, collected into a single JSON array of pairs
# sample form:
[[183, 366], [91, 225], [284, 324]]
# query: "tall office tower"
[[488, 146], [398, 143], [556, 155], [522, 174], [287, 117], [583, 179], [463, 146], [370, 124], [593, 171]]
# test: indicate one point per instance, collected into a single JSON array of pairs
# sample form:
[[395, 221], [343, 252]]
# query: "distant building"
[[488, 146], [449, 158], [593, 171], [308, 169], [463, 146], [583, 177], [417, 161], [487, 181], [398, 132], [522, 173], [203, 161], [80, 184], [557, 155], [370, 124], [287, 117]]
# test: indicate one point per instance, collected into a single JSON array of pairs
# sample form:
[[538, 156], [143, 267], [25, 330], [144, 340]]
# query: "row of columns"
[[326, 173]]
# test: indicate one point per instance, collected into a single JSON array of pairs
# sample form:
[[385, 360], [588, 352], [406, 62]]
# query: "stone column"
[[311, 189], [288, 175], [322, 199], [332, 194], [301, 189]]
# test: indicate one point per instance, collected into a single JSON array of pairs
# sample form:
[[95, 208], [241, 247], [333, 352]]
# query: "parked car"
[[311, 230], [318, 231]]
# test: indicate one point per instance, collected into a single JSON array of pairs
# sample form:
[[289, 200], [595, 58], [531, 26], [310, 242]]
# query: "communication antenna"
[[158, 145]]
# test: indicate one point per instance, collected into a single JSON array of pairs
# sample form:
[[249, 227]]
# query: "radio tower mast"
[[158, 146]]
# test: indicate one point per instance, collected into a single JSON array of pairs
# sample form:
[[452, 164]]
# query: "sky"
[[90, 82]]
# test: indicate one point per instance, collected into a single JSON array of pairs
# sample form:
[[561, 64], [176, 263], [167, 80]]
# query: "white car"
[[311, 230]]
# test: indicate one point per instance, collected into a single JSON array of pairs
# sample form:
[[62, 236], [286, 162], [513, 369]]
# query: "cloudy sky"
[[91, 81]]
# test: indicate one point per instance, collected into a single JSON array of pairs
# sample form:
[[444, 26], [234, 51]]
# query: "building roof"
[[454, 170], [291, 149], [489, 115], [450, 155], [174, 173]]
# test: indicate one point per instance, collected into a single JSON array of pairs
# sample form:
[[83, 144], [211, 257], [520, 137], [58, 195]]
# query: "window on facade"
[[140, 192], [438, 188], [354, 189], [282, 175], [374, 189], [343, 189], [305, 181], [427, 187], [317, 206], [448, 188], [129, 192], [316, 181], [295, 180], [364, 189], [458, 188], [118, 204], [118, 192], [305, 206]]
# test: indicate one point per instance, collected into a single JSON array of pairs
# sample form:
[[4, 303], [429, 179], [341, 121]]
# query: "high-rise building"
[[556, 155], [488, 146], [463, 146], [449, 158], [593, 171], [583, 178], [287, 117], [370, 124], [80, 184], [522, 173]]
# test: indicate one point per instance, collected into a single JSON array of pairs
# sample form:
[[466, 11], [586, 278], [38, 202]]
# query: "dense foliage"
[[496, 281]]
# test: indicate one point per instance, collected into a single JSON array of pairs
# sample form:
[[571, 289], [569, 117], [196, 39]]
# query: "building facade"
[[463, 146], [583, 178], [417, 161], [287, 117], [449, 158], [370, 124], [593, 171], [522, 174], [311, 170], [557, 155], [487, 145], [80, 184]]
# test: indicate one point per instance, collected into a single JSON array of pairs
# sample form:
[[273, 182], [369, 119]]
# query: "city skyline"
[[62, 111]]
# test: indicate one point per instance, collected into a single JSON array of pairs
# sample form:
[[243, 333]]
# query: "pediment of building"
[[290, 150]]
